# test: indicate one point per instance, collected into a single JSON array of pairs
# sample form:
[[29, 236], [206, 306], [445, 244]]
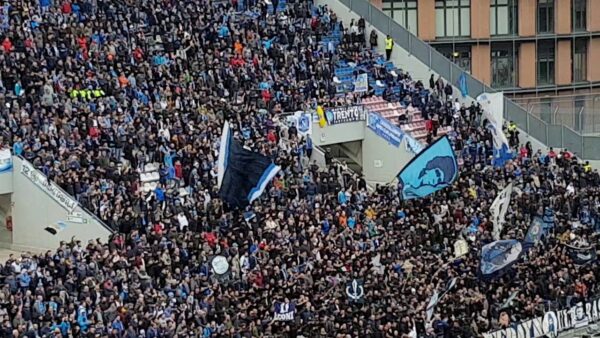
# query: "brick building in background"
[[525, 48]]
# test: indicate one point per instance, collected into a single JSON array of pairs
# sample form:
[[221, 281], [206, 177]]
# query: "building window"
[[504, 65], [545, 16], [545, 63], [403, 12], [580, 60], [579, 15], [452, 18], [503, 17], [459, 54]]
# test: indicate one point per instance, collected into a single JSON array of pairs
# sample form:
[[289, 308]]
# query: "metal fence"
[[579, 112], [551, 132]]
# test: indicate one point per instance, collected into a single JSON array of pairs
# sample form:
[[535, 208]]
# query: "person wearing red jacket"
[[7, 45], [66, 7]]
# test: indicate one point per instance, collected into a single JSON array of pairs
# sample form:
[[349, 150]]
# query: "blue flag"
[[497, 256], [462, 85], [431, 170], [243, 175], [548, 219], [535, 233], [582, 256]]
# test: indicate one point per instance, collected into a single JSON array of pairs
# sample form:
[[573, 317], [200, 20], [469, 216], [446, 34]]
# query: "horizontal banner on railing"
[[42, 182], [345, 114], [385, 129], [552, 322]]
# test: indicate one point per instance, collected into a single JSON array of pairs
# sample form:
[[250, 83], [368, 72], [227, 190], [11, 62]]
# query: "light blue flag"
[[462, 85], [548, 219], [534, 234], [432, 170], [497, 256]]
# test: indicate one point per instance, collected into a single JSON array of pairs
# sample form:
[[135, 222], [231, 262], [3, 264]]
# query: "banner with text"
[[345, 114], [42, 182], [552, 322], [385, 129]]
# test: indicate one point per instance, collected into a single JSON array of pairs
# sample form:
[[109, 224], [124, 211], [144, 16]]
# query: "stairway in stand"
[[392, 111]]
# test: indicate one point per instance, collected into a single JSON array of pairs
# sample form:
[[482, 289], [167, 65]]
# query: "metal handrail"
[[447, 69]]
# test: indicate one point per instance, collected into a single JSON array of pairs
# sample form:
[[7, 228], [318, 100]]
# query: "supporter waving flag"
[[243, 175], [493, 107], [432, 170], [498, 256], [499, 209]]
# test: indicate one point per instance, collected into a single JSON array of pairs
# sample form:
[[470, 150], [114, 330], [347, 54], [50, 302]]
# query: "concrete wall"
[[34, 209], [527, 15], [593, 56], [426, 19], [481, 63], [339, 133], [353, 150], [564, 71], [593, 13], [480, 19], [527, 65], [6, 182], [381, 166], [562, 16]]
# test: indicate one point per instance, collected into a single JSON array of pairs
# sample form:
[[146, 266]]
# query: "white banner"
[[498, 210], [42, 182], [303, 122], [552, 322], [493, 107]]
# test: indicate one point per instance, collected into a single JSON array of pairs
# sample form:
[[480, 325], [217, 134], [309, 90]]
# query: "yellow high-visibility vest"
[[389, 43], [587, 168]]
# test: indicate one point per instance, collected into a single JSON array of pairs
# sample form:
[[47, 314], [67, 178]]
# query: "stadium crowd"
[[93, 91]]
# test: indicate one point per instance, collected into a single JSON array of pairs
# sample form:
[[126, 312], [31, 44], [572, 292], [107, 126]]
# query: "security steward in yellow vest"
[[86, 94], [513, 134], [389, 46]]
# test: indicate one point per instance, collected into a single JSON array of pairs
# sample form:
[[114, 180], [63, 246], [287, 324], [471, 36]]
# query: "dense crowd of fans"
[[93, 91]]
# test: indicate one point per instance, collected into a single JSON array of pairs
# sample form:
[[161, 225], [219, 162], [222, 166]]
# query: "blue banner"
[[284, 311], [361, 84], [535, 233], [462, 85], [432, 170], [385, 129], [499, 255], [413, 145]]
